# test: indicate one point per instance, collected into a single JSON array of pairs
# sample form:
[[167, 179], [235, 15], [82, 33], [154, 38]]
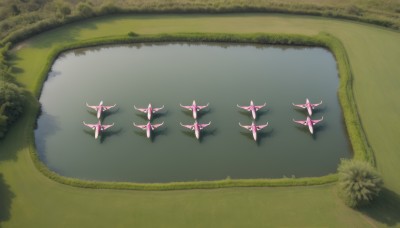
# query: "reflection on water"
[[177, 73]]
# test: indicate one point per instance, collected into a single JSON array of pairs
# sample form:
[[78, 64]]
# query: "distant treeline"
[[11, 95], [33, 16]]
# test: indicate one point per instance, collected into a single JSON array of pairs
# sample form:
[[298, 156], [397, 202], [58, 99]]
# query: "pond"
[[170, 74]]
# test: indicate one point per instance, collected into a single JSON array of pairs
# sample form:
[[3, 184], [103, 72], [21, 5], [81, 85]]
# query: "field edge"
[[358, 140]]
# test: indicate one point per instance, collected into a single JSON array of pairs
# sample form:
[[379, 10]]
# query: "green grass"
[[28, 198]]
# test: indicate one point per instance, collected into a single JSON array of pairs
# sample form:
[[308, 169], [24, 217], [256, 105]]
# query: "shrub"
[[85, 10], [132, 34], [11, 104], [65, 10], [359, 182]]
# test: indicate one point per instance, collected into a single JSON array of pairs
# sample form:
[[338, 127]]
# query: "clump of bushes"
[[11, 105], [359, 182], [11, 96]]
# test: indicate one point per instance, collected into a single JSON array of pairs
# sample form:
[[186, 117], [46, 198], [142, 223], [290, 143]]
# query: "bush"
[[65, 10], [85, 10], [132, 34], [11, 104], [359, 182]]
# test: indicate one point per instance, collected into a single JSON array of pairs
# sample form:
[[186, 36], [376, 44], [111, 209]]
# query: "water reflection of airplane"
[[309, 122], [100, 108], [148, 127], [98, 128], [254, 128], [308, 106], [196, 127], [252, 108], [149, 110], [194, 108]]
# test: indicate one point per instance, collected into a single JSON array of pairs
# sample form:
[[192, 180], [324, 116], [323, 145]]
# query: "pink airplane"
[[308, 106], [194, 108], [196, 127], [98, 128], [100, 108], [149, 110], [253, 128], [253, 108], [309, 122], [148, 127]]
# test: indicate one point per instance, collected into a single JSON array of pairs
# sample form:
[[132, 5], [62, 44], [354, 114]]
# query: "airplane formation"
[[196, 126]]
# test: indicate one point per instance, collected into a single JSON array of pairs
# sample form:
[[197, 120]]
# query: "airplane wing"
[[187, 107], [259, 127], [141, 109], [315, 105], [260, 106], [105, 127], [248, 127], [140, 126], [157, 109], [156, 125], [201, 107], [191, 127], [300, 121], [108, 107], [247, 108], [317, 121], [201, 126], [91, 106], [93, 126], [300, 105]]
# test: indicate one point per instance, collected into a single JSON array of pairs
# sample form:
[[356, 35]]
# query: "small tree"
[[85, 9], [359, 182]]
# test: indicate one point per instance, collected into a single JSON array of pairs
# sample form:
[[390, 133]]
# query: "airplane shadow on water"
[[317, 129], [261, 135], [205, 133], [105, 134], [154, 134]]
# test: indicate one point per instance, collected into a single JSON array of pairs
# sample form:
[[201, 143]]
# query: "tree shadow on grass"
[[6, 196], [385, 209]]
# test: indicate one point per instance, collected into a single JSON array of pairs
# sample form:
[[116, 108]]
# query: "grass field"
[[27, 198]]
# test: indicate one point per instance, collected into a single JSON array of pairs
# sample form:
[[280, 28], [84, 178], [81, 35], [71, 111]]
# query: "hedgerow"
[[353, 125]]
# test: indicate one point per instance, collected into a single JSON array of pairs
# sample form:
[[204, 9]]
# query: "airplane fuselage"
[[149, 112], [148, 129], [194, 111], [310, 125], [309, 107], [99, 111], [253, 111], [196, 130], [254, 130], [97, 131]]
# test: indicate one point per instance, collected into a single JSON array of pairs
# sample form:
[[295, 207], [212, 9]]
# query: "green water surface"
[[168, 74]]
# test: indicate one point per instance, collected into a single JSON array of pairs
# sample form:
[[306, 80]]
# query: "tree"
[[85, 9], [65, 10], [12, 99], [359, 182]]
